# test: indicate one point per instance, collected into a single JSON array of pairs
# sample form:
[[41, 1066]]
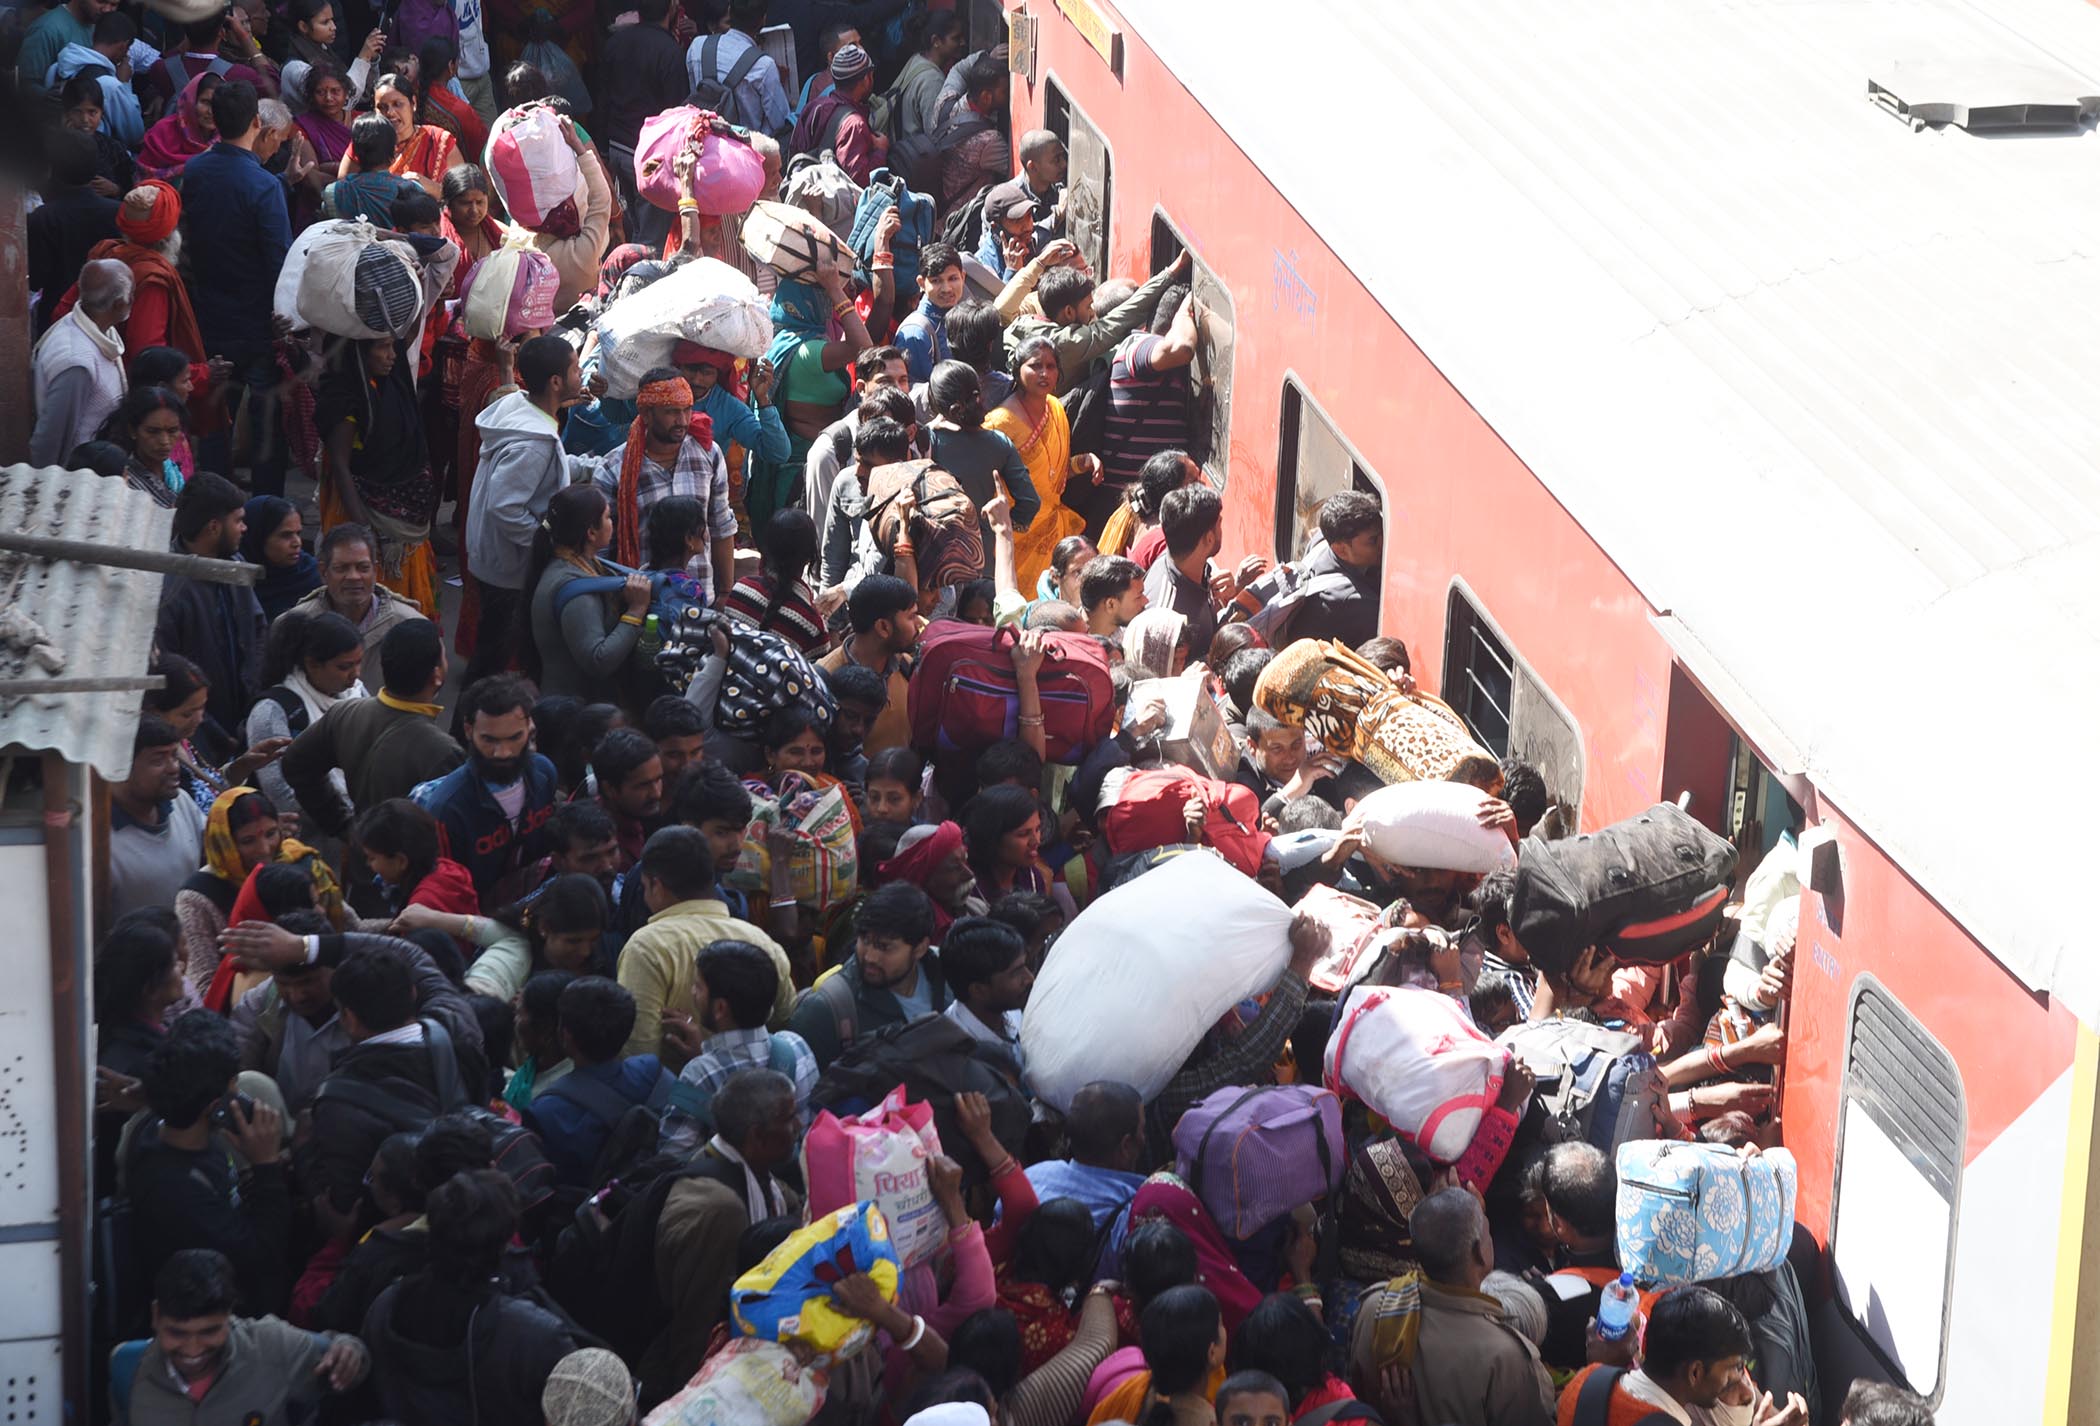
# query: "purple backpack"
[[1252, 1155]]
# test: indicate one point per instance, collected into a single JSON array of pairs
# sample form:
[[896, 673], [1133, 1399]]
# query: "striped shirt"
[[1148, 410], [796, 620]]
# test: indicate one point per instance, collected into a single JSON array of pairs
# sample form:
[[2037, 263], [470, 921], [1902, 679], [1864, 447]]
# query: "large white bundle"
[[705, 301], [341, 278], [1416, 1058], [1139, 977], [1433, 825]]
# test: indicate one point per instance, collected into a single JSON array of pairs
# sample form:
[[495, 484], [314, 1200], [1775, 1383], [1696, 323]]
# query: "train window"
[[1089, 183], [1901, 1128], [1312, 463], [1210, 375], [1508, 707]]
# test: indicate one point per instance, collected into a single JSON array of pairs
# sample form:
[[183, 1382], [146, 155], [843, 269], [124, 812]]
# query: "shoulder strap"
[[601, 1101], [1203, 1144], [780, 1056], [742, 67], [709, 47], [838, 997], [124, 1362], [444, 1066], [295, 714], [1593, 1402]]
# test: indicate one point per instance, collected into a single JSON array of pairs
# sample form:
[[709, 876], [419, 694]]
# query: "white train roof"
[[1823, 383]]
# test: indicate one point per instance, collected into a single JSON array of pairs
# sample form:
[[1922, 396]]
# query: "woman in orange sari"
[[375, 468], [1034, 420], [422, 152]]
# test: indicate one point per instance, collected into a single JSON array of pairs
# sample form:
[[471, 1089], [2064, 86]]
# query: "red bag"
[[964, 696], [1146, 813]]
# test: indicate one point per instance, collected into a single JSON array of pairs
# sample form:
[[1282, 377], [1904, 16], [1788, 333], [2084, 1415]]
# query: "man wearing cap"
[[664, 455], [721, 395], [1026, 211], [839, 121]]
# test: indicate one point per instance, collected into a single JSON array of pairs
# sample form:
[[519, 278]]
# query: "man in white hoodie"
[[522, 465], [78, 369]]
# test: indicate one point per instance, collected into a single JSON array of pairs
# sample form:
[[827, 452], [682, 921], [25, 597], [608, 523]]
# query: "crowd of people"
[[464, 995]]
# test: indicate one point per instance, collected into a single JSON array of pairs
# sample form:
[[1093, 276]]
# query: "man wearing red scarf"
[[932, 859], [664, 454]]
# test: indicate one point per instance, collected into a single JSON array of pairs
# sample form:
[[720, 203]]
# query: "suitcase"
[[964, 698], [1647, 889], [1142, 809], [1691, 1212], [1253, 1155], [1596, 1086]]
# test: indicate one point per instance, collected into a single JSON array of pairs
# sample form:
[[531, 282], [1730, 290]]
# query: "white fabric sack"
[[1415, 1057], [331, 283], [529, 160], [705, 301], [1144, 972], [1434, 826]]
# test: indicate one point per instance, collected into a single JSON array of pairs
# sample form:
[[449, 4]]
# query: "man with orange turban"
[[670, 450], [149, 242]]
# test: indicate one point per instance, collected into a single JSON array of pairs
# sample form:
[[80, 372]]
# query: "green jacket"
[[1079, 347]]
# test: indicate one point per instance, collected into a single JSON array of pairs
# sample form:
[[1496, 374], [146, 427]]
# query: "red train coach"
[[1723, 369]]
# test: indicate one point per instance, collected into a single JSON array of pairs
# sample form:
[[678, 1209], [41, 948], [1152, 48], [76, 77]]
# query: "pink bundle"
[[728, 174], [532, 166], [509, 292]]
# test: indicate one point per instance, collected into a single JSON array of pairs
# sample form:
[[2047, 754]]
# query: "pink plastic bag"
[[508, 292], [531, 164], [880, 1156], [1352, 927], [727, 179]]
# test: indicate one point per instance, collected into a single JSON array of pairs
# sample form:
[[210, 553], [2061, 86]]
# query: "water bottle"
[[1615, 1313], [652, 639]]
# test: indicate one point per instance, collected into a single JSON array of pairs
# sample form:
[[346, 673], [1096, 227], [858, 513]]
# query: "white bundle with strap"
[[342, 278], [1143, 973], [1433, 826], [1415, 1057], [704, 301]]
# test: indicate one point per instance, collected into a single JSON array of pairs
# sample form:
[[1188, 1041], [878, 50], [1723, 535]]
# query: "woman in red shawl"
[[182, 135]]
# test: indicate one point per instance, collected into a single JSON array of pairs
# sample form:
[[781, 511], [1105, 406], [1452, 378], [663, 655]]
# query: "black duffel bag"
[[935, 1059], [1647, 889]]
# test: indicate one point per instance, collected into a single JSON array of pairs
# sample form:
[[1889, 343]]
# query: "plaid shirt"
[[725, 1053], [699, 471]]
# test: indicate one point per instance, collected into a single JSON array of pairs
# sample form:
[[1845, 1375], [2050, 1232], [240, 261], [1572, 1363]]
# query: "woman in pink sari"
[[182, 135], [326, 124]]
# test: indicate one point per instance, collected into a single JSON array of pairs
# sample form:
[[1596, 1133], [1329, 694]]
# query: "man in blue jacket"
[[575, 1117], [492, 812], [238, 233]]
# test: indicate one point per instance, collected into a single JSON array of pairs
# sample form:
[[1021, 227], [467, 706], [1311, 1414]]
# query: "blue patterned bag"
[[1692, 1212]]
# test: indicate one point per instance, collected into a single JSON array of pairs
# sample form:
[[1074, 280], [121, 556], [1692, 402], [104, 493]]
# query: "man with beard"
[[205, 1364], [492, 813], [888, 979], [631, 790], [986, 963], [663, 455], [581, 839], [886, 625], [934, 860], [218, 627]]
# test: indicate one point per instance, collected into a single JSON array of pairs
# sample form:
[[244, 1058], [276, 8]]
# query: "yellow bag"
[[787, 1298]]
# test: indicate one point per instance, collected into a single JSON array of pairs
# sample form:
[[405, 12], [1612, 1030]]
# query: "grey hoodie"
[[522, 465]]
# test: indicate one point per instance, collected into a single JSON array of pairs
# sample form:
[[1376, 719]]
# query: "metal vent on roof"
[[1987, 98]]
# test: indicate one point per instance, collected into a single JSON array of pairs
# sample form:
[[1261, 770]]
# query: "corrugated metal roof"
[[98, 619], [1718, 301]]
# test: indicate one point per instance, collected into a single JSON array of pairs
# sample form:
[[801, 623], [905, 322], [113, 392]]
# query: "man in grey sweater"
[[156, 834]]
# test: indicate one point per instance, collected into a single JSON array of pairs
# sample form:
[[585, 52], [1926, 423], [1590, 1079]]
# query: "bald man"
[[78, 369]]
